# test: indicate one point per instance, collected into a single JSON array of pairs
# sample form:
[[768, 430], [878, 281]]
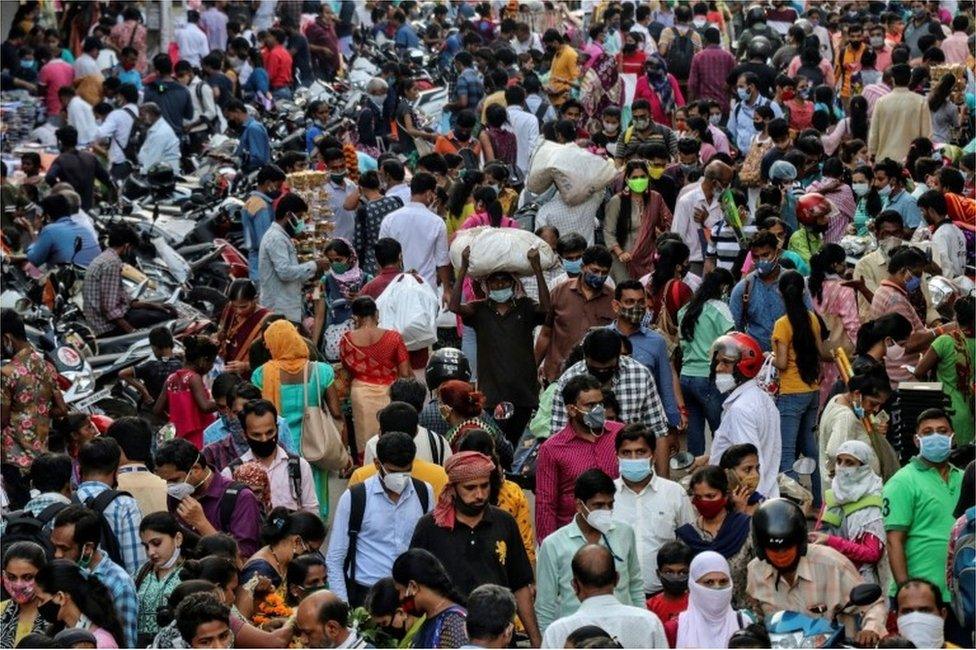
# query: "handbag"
[[750, 175], [321, 443]]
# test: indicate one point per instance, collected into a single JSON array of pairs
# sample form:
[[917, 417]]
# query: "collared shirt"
[[345, 220], [956, 48], [899, 117], [948, 249], [635, 389], [385, 533], [122, 588], [684, 223], [709, 70], [117, 128], [282, 486], [740, 121], [205, 110], [562, 458], [256, 217], [764, 309], [570, 317], [891, 298], [146, 488], [554, 590], [406, 37], [873, 269], [654, 513], [193, 44], [824, 579], [281, 274], [401, 191], [214, 23], [525, 126], [632, 627], [56, 244], [651, 351], [580, 219], [160, 146], [82, 117], [105, 299], [124, 517], [254, 147], [749, 415], [905, 204], [245, 521], [471, 85], [27, 393], [37, 505], [423, 237], [873, 92]]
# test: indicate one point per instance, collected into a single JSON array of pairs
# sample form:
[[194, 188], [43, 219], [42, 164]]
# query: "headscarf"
[[658, 78], [253, 475], [709, 621], [461, 467], [851, 484], [288, 353], [349, 282]]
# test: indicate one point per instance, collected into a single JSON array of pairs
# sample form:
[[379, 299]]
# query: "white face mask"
[[724, 382], [172, 561], [599, 519], [396, 482], [923, 629], [179, 491], [860, 189], [713, 603]]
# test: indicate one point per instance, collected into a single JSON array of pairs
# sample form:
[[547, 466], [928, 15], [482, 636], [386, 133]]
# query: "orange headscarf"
[[461, 467], [289, 353]]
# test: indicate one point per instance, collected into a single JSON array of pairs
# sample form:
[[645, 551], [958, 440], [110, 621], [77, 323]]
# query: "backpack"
[[228, 503], [109, 542], [22, 526], [211, 122], [437, 447], [963, 583], [294, 475], [357, 508], [680, 54], [137, 135]]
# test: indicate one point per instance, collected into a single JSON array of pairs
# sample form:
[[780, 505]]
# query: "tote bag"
[[322, 444]]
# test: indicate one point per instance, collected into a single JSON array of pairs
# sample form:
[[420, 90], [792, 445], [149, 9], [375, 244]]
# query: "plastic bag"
[[500, 249], [410, 306]]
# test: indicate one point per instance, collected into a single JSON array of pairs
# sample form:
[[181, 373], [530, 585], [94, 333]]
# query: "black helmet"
[[778, 524], [446, 364], [760, 46], [161, 176], [755, 14]]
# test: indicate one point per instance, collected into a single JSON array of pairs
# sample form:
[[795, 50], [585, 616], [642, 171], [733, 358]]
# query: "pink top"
[[184, 413], [866, 549], [54, 75], [824, 65], [102, 638], [840, 301]]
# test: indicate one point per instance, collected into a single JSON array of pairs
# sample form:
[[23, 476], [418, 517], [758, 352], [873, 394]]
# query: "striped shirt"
[[725, 247], [124, 517]]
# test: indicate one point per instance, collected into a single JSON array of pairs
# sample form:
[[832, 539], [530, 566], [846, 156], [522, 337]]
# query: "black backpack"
[[227, 504], [294, 475], [680, 54], [137, 135], [23, 526], [109, 543]]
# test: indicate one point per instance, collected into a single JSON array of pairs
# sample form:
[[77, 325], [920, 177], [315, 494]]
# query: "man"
[[224, 439], [206, 114], [323, 42], [652, 505], [192, 40], [594, 580], [422, 235], [523, 124], [876, 39], [756, 26], [404, 37], [55, 244], [749, 414], [592, 523], [134, 437], [491, 610], [343, 197], [642, 20], [402, 419], [709, 70], [387, 506], [280, 273], [564, 73], [55, 74], [389, 259], [921, 613], [402, 414], [889, 181], [322, 621], [643, 130], [460, 140], [848, 61], [253, 146], [477, 542], [392, 177], [204, 501], [203, 621], [278, 62], [78, 168], [372, 208], [162, 144], [98, 462], [698, 210], [741, 120], [213, 22], [50, 477], [117, 128], [289, 476], [679, 43], [918, 505], [948, 242], [872, 268], [956, 46], [444, 365], [898, 118], [525, 39], [789, 574], [108, 309], [258, 213], [29, 400], [168, 94], [918, 27], [223, 89], [77, 531], [873, 92], [79, 114]]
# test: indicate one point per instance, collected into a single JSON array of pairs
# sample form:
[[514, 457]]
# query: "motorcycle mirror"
[[504, 411], [805, 466], [864, 594], [681, 461]]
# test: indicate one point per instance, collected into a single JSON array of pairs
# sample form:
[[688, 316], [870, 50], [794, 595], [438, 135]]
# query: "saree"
[[238, 333], [367, 400], [601, 87], [655, 220]]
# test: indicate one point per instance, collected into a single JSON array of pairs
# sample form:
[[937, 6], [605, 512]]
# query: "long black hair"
[[859, 118], [88, 593], [623, 219], [893, 326], [670, 254], [872, 200], [425, 569], [821, 263], [804, 341], [460, 191], [493, 206], [711, 289]]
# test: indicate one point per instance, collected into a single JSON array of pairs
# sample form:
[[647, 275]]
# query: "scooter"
[[800, 630]]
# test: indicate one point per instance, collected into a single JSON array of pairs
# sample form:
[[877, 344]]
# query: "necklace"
[[278, 565]]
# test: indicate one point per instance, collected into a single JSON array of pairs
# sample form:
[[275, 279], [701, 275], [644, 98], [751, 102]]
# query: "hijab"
[[709, 621], [288, 353], [853, 483], [657, 76]]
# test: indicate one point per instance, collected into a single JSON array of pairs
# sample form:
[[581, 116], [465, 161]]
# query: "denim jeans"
[[797, 420], [704, 404], [469, 346]]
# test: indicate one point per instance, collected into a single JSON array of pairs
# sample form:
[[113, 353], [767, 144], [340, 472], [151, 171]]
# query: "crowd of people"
[[710, 408]]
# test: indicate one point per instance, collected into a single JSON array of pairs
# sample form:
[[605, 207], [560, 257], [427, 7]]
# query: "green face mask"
[[638, 185]]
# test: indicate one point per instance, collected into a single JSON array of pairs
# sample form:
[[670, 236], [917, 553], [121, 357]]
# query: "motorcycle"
[[800, 630]]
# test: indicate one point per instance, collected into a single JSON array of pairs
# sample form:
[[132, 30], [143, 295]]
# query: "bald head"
[[308, 618], [593, 571], [718, 170]]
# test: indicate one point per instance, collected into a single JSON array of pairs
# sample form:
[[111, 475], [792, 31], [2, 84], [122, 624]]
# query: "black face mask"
[[674, 586], [467, 509], [49, 611], [603, 375], [263, 448]]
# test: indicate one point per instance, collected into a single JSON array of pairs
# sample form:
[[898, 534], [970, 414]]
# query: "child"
[[741, 463], [149, 376], [673, 560], [184, 395], [609, 133]]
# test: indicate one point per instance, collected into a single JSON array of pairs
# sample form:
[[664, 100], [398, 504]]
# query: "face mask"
[[337, 177], [49, 611], [885, 191], [340, 267], [263, 448], [599, 519], [501, 295], [377, 100], [468, 509], [788, 94], [709, 509], [804, 92], [594, 280], [860, 189], [724, 382], [674, 584], [610, 127], [935, 447], [742, 93], [573, 267], [691, 169], [698, 22], [179, 491], [641, 124], [923, 629], [298, 226], [877, 41], [635, 469], [22, 591], [750, 482], [595, 418], [858, 410], [633, 314], [409, 605], [171, 562], [715, 119], [913, 283], [396, 482], [888, 244], [782, 559], [638, 185], [655, 172], [765, 267]]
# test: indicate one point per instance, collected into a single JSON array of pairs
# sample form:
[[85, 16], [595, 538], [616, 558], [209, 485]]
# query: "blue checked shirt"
[[124, 516], [37, 505], [123, 590]]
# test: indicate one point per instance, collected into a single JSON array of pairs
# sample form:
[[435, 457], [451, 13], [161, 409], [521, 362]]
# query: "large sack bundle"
[[409, 306], [500, 249], [579, 174], [539, 177]]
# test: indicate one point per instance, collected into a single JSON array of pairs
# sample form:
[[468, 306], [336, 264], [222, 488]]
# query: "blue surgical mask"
[[501, 295], [913, 283], [594, 280], [635, 469], [765, 267], [935, 447], [858, 410], [885, 192], [743, 93], [573, 267]]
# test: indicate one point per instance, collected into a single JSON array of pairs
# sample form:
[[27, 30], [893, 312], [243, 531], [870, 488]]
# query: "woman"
[[497, 142], [800, 107], [719, 526], [219, 572], [281, 544], [631, 59], [633, 218], [255, 476], [425, 588], [600, 87], [709, 621], [68, 598], [854, 154], [240, 325], [291, 382], [953, 357], [461, 406], [945, 113], [836, 302], [72, 431], [383, 605], [705, 318], [797, 351], [460, 203], [185, 397], [161, 537], [131, 33], [833, 186], [698, 129], [852, 127], [340, 285], [408, 128], [667, 291], [868, 201], [19, 614], [257, 88], [306, 574], [660, 88], [374, 357]]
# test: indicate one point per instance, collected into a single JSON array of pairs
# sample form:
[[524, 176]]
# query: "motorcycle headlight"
[[789, 640], [82, 381], [816, 640]]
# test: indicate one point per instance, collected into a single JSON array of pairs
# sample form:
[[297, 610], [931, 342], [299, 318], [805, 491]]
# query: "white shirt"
[[160, 145], [193, 44], [82, 219], [85, 65], [654, 513], [423, 237], [526, 130], [207, 108], [580, 218], [749, 415], [633, 627], [650, 46], [949, 250], [116, 128], [106, 60], [684, 221], [82, 117], [401, 191], [534, 43], [423, 439], [282, 491]]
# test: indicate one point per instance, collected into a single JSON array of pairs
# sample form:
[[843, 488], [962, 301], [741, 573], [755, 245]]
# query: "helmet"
[[101, 422], [744, 349], [445, 364], [779, 524], [810, 208], [755, 14], [760, 46], [161, 176], [805, 25]]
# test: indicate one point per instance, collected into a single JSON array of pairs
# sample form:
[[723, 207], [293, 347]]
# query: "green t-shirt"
[[805, 243], [714, 321], [919, 502], [962, 416]]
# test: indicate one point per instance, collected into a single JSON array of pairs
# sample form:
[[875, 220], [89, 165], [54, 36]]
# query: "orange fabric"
[[961, 210], [461, 467], [288, 353]]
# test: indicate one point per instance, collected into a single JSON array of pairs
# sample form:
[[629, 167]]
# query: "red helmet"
[[810, 208], [744, 349], [101, 422]]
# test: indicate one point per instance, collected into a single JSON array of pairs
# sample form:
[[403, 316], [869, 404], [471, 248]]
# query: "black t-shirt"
[[153, 373], [490, 553], [668, 189], [302, 58], [221, 82], [78, 168], [174, 102]]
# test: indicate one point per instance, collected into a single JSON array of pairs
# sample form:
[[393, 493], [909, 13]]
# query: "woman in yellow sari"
[[240, 325]]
